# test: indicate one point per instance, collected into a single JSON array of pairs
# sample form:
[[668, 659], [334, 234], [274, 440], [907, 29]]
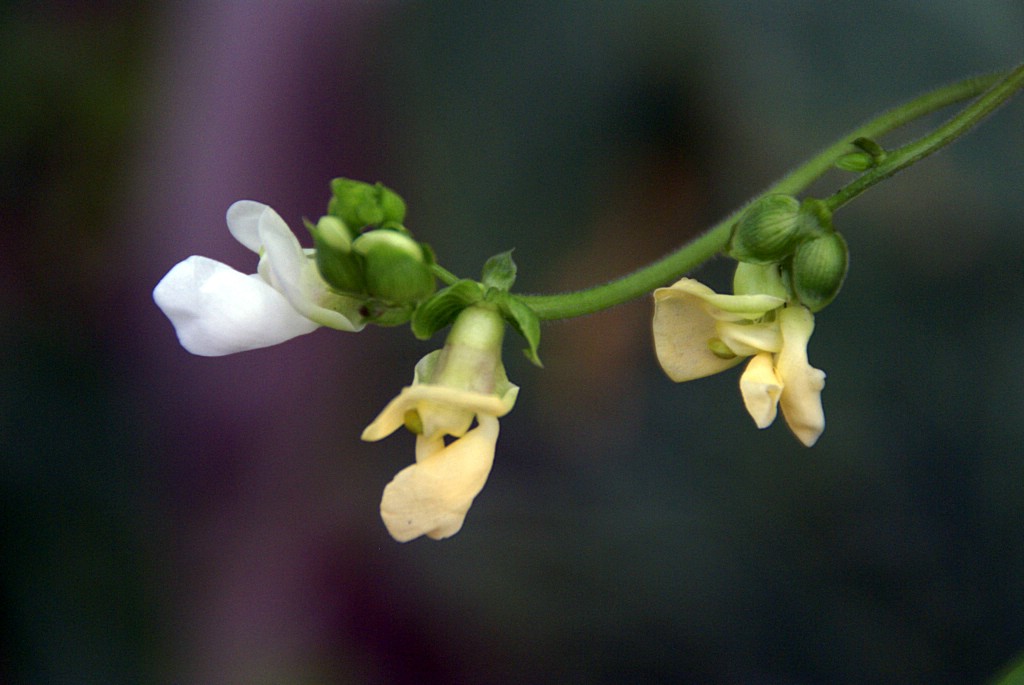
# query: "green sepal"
[[381, 313], [523, 319], [440, 310], [815, 218], [338, 265], [499, 271], [361, 204]]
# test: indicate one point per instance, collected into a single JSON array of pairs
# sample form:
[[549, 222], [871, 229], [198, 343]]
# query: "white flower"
[[452, 388], [698, 332], [217, 310]]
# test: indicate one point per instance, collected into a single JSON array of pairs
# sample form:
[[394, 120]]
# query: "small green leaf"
[[499, 271], [438, 311], [523, 319]]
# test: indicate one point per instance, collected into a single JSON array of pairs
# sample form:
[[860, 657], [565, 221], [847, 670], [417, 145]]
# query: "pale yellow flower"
[[452, 388], [698, 332]]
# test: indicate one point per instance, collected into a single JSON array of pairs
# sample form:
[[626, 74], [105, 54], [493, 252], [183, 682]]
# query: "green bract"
[[499, 271], [441, 309]]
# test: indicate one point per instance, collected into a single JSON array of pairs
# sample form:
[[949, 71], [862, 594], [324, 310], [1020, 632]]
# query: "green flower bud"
[[361, 204], [818, 269], [396, 267], [338, 265], [855, 161], [392, 206], [768, 231]]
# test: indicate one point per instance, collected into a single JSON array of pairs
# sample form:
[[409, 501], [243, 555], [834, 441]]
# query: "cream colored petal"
[[438, 399], [682, 328], [746, 339], [801, 396], [761, 388], [432, 496], [725, 307]]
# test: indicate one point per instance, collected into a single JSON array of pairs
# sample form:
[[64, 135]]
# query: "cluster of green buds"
[[364, 250], [799, 237]]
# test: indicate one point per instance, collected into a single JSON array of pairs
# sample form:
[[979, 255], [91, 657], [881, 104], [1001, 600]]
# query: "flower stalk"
[[997, 88]]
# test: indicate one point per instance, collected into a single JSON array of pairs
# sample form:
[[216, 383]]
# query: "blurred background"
[[176, 519]]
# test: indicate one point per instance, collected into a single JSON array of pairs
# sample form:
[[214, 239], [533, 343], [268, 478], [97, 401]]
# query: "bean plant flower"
[[452, 388], [217, 310], [698, 332]]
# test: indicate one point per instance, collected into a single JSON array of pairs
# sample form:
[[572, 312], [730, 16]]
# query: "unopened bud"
[[768, 231], [396, 269], [361, 204], [855, 161], [338, 265], [818, 269]]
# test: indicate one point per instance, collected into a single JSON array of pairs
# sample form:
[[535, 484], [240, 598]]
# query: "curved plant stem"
[[899, 159], [705, 246]]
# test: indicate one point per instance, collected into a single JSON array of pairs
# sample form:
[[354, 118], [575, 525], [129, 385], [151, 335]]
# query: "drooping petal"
[[217, 310], [296, 276], [243, 222], [433, 403], [761, 387], [801, 394], [432, 496], [682, 328]]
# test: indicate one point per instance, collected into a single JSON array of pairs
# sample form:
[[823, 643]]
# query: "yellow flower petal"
[[746, 339], [682, 329], [689, 314], [761, 388], [801, 394], [443, 410], [432, 496]]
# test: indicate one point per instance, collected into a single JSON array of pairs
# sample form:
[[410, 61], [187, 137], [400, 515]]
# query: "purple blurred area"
[[177, 519]]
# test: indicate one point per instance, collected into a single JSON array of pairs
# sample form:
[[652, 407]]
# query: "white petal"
[[432, 496], [243, 222], [761, 388], [296, 275], [801, 396], [217, 310]]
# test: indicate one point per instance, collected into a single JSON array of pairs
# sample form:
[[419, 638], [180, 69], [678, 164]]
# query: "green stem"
[[446, 276], [707, 245], [899, 159]]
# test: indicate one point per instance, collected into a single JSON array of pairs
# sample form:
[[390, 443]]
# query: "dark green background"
[[175, 519]]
